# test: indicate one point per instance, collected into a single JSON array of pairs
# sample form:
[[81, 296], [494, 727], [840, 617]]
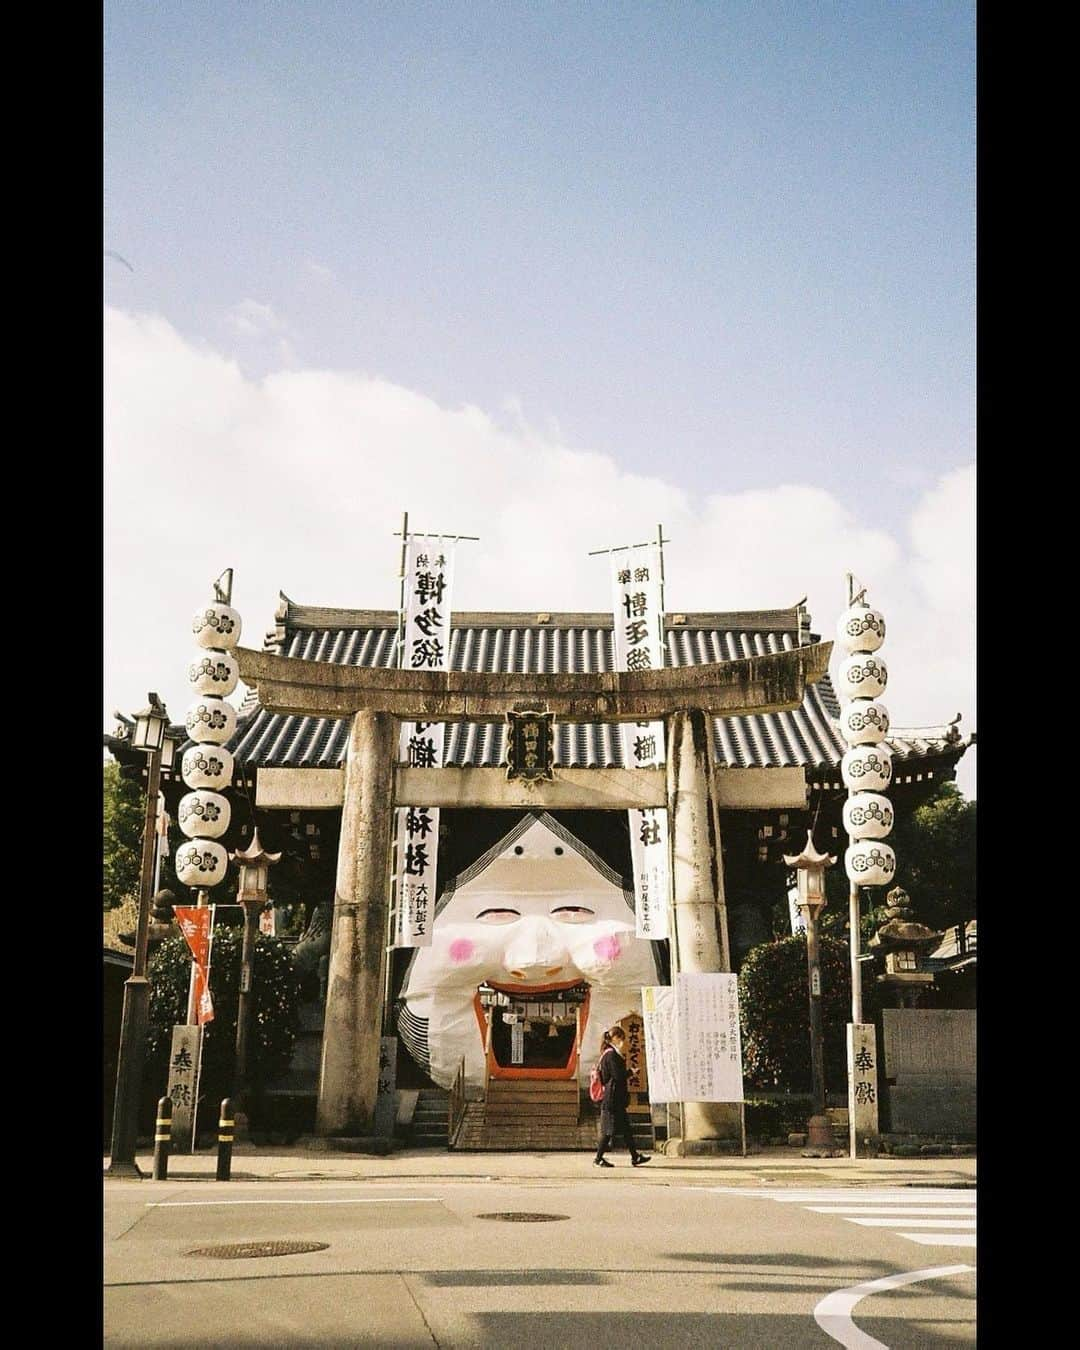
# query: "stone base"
[[330, 1143], [124, 1170], [700, 1148]]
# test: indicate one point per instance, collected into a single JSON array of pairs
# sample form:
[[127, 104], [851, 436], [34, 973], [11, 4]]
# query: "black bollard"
[[225, 1140], [162, 1139]]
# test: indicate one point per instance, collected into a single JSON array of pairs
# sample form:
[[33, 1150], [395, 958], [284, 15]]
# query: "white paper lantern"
[[870, 864], [860, 629], [216, 625], [203, 815], [207, 766], [214, 672], [201, 862], [867, 768], [210, 721], [868, 816], [862, 721], [862, 677]]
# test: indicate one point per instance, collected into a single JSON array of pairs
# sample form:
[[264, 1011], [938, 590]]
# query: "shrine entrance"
[[535, 1033]]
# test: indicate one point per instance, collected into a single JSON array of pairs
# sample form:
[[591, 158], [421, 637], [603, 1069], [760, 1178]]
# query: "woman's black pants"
[[613, 1122]]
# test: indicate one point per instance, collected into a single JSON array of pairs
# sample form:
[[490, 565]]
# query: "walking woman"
[[613, 1117]]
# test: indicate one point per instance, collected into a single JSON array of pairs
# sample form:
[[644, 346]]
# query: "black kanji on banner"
[[530, 744]]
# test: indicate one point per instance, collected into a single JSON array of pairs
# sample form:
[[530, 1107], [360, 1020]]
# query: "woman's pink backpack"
[[596, 1087]]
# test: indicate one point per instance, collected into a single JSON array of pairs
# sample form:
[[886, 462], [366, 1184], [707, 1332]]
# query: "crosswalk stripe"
[[897, 1211], [844, 1194], [919, 1223], [930, 1216]]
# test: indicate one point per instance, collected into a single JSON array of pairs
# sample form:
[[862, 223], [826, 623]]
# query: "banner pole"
[[198, 1066]]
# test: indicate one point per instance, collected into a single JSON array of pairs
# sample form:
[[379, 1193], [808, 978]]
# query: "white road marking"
[[919, 1223], [944, 1240], [833, 1313], [891, 1210], [917, 1209], [382, 1200]]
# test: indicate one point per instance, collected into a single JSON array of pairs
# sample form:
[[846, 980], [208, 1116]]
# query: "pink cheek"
[[461, 950], [608, 948]]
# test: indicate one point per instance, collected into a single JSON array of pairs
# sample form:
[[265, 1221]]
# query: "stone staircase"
[[530, 1115], [430, 1119]]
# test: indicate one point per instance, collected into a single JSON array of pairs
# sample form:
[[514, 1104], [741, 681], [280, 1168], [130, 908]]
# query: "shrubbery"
[[775, 1012], [275, 1017]]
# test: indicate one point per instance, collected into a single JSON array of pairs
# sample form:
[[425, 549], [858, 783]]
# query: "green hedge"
[[775, 1013], [275, 1015]]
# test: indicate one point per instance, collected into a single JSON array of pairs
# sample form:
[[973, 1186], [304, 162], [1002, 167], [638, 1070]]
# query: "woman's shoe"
[[639, 1159], [601, 1162]]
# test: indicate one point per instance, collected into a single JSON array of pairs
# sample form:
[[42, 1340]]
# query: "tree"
[[935, 858], [775, 1012], [275, 1018], [122, 827]]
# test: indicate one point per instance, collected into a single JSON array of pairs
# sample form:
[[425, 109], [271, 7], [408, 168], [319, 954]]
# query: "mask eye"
[[498, 916], [573, 914]]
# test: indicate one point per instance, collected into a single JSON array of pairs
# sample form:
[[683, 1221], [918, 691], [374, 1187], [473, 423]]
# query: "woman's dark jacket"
[[613, 1075]]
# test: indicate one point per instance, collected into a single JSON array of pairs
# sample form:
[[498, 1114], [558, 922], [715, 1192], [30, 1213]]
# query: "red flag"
[[196, 924]]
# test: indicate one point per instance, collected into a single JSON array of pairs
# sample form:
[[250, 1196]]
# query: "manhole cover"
[[237, 1249], [519, 1216]]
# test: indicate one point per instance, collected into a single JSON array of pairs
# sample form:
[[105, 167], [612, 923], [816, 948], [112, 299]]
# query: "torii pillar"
[[700, 941], [349, 1071]]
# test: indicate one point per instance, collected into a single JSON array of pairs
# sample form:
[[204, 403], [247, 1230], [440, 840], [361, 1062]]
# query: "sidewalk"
[[772, 1166]]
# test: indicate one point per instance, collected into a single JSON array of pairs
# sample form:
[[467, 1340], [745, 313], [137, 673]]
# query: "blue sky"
[[726, 246]]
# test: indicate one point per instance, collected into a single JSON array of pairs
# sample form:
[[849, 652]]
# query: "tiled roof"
[[542, 643]]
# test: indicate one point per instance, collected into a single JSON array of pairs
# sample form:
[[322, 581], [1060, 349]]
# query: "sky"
[[552, 274]]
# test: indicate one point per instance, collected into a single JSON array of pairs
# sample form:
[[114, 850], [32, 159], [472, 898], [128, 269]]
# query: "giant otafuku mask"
[[539, 913]]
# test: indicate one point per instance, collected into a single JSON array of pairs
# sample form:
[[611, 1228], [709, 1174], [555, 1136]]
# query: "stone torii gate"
[[377, 699]]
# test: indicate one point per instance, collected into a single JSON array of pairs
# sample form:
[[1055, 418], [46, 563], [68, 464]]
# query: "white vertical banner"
[[660, 1021], [429, 573], [796, 915], [639, 645]]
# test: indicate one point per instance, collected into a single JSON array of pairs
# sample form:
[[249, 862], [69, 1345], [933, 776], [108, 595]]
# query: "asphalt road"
[[629, 1261]]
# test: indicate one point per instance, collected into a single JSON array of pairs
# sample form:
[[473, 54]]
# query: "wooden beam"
[[569, 790], [300, 789]]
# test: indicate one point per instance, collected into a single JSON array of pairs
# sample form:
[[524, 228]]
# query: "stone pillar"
[[349, 1074], [697, 874]]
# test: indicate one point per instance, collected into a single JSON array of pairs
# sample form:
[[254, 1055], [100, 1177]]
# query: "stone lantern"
[[905, 945]]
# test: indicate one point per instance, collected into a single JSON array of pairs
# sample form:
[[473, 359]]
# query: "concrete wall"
[[929, 1070]]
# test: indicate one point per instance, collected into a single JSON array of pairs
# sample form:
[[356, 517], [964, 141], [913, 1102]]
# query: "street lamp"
[[254, 863], [148, 734], [810, 868]]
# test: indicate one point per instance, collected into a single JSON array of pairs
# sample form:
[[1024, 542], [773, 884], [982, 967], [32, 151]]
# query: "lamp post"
[[150, 735], [810, 868], [254, 863]]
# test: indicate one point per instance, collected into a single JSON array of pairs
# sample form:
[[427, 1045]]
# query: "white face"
[[538, 915]]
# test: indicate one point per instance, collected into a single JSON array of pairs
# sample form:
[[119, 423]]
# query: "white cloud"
[[318, 270], [250, 318], [298, 481]]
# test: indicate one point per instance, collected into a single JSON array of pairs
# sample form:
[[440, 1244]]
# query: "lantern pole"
[[866, 769], [254, 863], [856, 961], [135, 1016], [810, 868]]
